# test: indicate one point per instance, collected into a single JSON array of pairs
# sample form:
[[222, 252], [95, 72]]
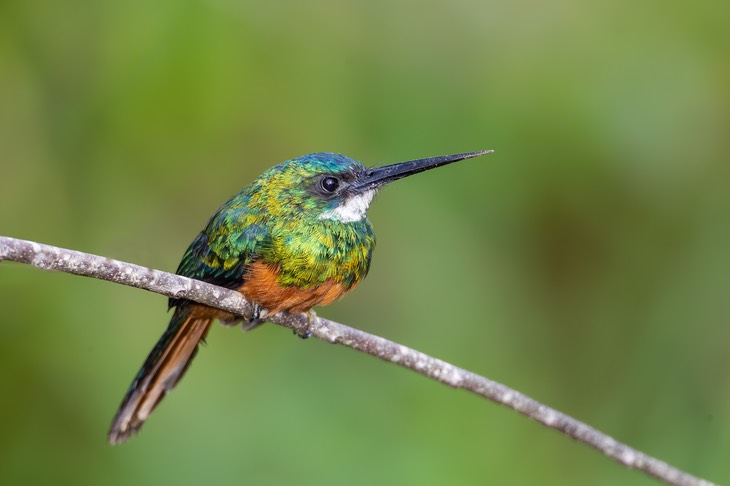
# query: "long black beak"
[[379, 176]]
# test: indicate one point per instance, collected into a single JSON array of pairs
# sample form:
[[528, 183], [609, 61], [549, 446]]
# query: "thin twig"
[[53, 258]]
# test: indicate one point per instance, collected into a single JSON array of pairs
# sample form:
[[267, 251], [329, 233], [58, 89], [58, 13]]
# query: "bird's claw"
[[255, 313], [254, 320], [307, 331]]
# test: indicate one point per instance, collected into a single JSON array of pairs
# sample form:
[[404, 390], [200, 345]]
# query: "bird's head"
[[329, 186]]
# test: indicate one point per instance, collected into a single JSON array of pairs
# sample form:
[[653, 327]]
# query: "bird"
[[295, 238]]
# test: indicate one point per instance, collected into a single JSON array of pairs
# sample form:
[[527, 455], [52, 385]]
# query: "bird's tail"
[[164, 367]]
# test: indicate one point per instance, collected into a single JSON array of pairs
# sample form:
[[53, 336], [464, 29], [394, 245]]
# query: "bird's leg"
[[253, 320], [309, 329]]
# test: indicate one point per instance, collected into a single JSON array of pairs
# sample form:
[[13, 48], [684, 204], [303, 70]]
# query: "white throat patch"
[[353, 209]]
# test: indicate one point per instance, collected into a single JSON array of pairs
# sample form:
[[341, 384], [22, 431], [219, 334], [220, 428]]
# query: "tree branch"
[[53, 258]]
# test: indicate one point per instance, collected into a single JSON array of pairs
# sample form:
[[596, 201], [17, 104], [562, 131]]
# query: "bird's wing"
[[222, 253]]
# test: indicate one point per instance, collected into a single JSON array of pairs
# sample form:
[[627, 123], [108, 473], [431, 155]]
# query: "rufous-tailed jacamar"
[[295, 238]]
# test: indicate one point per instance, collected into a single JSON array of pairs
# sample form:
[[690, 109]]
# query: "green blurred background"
[[586, 262]]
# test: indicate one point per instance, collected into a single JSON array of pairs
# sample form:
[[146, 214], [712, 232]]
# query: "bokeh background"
[[586, 262]]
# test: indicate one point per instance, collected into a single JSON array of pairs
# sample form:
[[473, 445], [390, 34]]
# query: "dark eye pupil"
[[330, 184]]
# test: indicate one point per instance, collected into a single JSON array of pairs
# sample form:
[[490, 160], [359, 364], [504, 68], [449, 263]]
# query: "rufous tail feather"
[[163, 368]]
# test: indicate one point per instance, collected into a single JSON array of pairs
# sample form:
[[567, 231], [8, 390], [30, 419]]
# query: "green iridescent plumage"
[[295, 238], [277, 219]]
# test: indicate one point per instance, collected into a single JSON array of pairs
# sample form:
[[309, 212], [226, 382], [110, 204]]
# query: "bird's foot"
[[254, 320], [309, 329]]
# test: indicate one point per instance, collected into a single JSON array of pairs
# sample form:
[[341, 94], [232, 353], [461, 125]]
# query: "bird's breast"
[[262, 286], [307, 265]]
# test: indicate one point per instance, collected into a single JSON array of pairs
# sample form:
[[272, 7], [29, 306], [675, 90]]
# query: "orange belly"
[[261, 287]]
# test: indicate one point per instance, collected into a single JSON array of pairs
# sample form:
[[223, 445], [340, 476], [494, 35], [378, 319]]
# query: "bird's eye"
[[330, 184]]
